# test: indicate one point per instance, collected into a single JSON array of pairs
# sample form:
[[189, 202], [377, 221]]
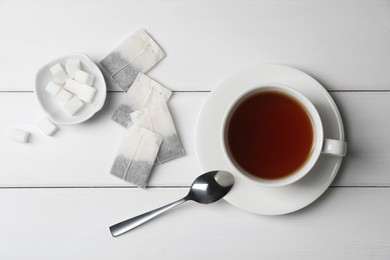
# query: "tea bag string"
[[132, 158], [145, 102], [135, 57], [152, 128]]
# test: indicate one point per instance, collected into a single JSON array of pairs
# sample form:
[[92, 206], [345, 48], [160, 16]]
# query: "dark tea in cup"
[[269, 134]]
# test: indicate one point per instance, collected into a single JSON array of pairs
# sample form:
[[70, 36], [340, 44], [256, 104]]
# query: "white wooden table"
[[57, 197]]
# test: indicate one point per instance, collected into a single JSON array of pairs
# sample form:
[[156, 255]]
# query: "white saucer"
[[245, 194]]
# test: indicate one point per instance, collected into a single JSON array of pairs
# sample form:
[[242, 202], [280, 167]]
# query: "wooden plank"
[[82, 155], [346, 223], [344, 44]]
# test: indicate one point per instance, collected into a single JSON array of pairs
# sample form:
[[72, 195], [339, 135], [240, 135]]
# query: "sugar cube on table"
[[64, 95], [73, 105], [86, 93], [84, 77], [73, 86], [53, 88], [72, 65], [59, 74], [47, 127], [19, 135]]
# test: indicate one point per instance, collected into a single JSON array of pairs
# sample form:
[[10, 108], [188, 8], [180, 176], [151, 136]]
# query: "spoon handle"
[[127, 225]]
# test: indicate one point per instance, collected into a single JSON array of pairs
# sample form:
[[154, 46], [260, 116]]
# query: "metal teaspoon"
[[205, 189]]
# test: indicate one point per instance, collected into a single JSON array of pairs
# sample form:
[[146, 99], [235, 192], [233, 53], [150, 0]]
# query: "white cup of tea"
[[273, 135]]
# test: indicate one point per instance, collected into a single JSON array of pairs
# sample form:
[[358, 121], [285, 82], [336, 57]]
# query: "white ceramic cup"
[[320, 144]]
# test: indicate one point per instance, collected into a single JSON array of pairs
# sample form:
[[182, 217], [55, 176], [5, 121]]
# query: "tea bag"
[[136, 155], [157, 118], [138, 53], [143, 92]]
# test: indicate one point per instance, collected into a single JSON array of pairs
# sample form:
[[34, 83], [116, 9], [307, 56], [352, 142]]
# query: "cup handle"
[[334, 147]]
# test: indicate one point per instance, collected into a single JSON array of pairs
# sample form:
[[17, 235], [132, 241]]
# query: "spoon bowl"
[[205, 189], [210, 187]]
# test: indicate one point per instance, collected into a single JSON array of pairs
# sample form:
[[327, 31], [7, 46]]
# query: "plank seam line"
[[208, 91], [108, 91], [92, 187], [158, 187]]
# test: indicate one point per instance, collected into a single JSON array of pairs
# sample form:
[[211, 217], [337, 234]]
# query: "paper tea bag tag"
[[158, 119], [138, 53], [136, 155], [143, 92]]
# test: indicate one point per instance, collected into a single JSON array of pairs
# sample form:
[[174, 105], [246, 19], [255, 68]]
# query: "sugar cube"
[[52, 88], [90, 80], [73, 105], [84, 77], [19, 135], [72, 86], [72, 65], [59, 74], [86, 93], [47, 127], [64, 95]]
